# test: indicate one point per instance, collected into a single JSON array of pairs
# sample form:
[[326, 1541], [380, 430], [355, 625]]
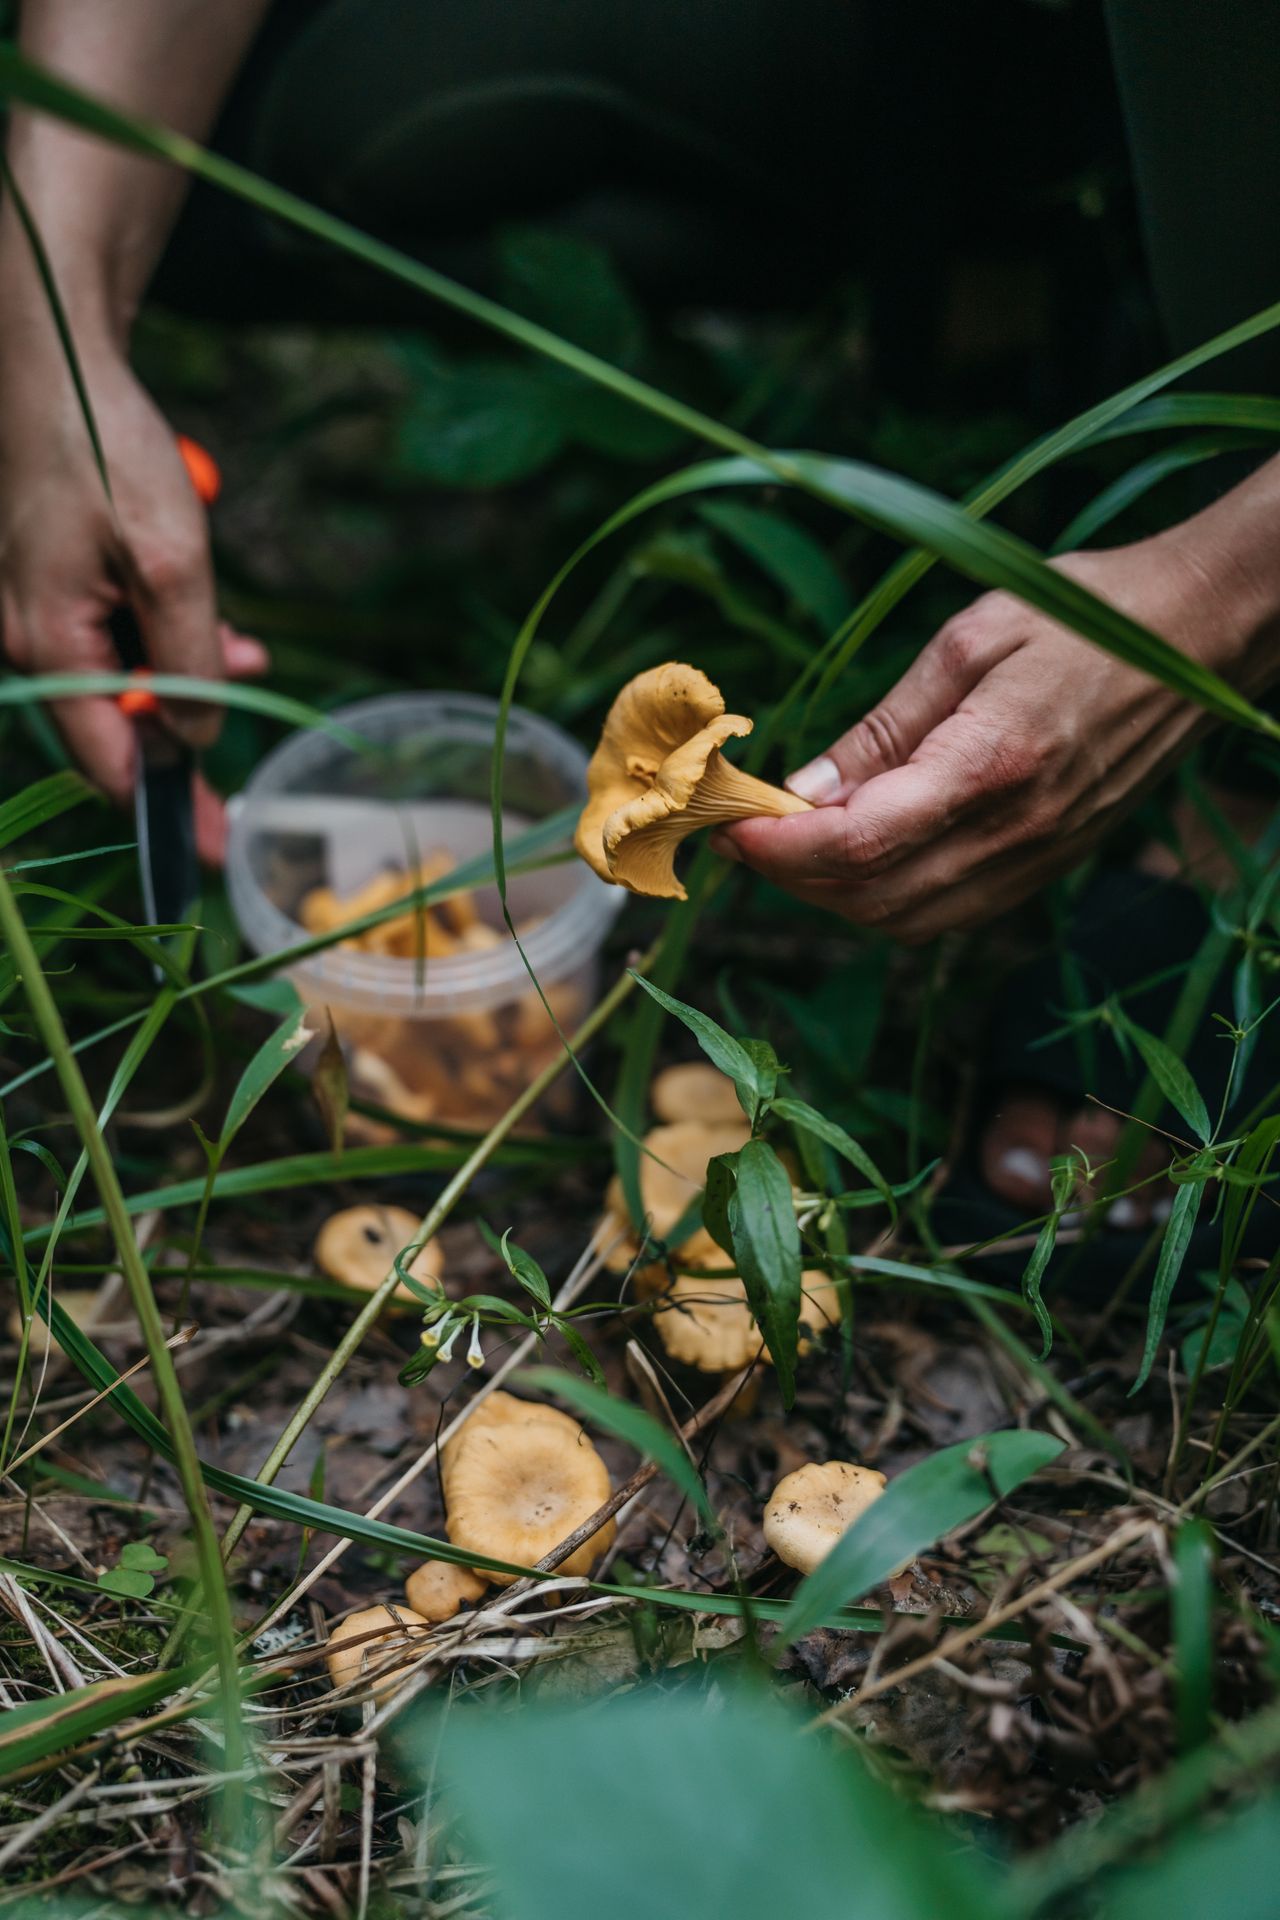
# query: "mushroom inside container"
[[436, 1036]]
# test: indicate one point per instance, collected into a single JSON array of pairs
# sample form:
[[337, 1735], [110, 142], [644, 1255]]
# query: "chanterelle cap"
[[658, 775], [672, 1174], [517, 1484], [695, 1090], [383, 1646], [437, 1589], [810, 1509], [359, 1245]]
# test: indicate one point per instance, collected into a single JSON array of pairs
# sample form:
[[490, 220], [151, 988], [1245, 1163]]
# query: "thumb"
[[930, 690]]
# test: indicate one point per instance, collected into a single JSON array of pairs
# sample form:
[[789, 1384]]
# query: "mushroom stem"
[[725, 792]]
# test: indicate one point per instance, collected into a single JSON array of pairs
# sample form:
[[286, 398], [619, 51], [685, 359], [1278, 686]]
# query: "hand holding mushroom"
[[658, 775]]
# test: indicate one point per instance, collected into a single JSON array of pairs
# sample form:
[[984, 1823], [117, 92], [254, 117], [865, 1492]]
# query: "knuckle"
[[877, 738], [174, 570], [963, 644]]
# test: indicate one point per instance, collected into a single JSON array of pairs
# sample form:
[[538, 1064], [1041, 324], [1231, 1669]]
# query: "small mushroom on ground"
[[695, 1090], [705, 1322], [672, 1173], [504, 1410], [810, 1509], [377, 1642], [89, 1308], [437, 1589], [358, 1247], [517, 1483], [658, 775]]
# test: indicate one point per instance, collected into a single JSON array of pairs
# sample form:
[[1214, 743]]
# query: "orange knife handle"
[[202, 469]]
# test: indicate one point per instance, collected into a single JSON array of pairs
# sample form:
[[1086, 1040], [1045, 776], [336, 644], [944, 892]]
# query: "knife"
[[163, 802]]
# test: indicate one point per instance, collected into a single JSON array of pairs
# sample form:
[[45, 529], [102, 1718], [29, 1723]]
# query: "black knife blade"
[[163, 801]]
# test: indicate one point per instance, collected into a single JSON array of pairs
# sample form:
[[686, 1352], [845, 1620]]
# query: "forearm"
[[1233, 551], [104, 215]]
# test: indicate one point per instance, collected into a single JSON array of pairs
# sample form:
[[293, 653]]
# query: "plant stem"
[[138, 1281]]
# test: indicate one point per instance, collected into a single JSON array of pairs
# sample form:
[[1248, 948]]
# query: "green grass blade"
[[43, 801], [639, 1429], [1192, 1610]]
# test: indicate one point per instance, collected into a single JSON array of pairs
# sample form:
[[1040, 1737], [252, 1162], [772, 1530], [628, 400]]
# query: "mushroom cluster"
[[518, 1479], [702, 1317], [463, 1070], [659, 774]]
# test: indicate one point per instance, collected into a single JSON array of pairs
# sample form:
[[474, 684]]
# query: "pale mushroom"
[[358, 1247], [673, 1171], [377, 1643], [695, 1090], [518, 1486], [658, 775], [437, 1589], [89, 1308], [705, 1322], [499, 1409], [810, 1509]]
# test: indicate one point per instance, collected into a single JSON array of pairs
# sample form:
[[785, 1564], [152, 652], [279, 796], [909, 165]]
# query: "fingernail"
[[820, 781], [1024, 1164], [722, 844], [1125, 1214]]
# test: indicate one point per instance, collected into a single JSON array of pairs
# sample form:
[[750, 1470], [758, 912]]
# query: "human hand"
[[1006, 751], [68, 556]]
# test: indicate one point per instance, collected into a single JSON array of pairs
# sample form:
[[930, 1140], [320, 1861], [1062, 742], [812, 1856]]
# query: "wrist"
[[1229, 556], [94, 231]]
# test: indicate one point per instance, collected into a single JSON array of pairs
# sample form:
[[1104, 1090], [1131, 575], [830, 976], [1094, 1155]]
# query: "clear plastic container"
[[444, 1036]]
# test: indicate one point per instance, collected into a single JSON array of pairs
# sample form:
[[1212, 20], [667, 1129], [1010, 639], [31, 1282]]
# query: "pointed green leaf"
[[766, 1252], [1173, 1251]]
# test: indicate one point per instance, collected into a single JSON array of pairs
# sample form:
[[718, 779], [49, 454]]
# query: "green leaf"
[[127, 1582], [800, 1114], [581, 1352], [302, 1170], [639, 1429], [520, 1265], [722, 1178], [1230, 1867], [768, 1068], [1191, 1605], [792, 558], [570, 287], [142, 1557], [766, 1252], [486, 423], [1033, 1274], [38, 1728], [41, 802], [914, 1511], [731, 1809], [721, 1050], [1173, 1251], [268, 1063], [1169, 1074]]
